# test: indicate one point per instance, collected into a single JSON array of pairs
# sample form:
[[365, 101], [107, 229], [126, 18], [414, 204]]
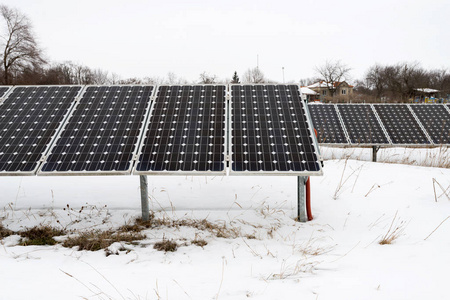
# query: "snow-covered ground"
[[268, 256]]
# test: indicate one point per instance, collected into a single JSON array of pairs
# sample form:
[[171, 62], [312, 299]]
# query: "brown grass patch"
[[4, 232], [166, 246], [217, 229], [199, 242], [40, 235], [95, 240]]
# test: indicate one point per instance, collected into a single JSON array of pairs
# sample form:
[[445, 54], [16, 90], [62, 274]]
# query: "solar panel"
[[327, 124], [3, 90], [102, 134], [436, 120], [270, 131], [29, 119], [400, 124], [362, 124], [186, 131]]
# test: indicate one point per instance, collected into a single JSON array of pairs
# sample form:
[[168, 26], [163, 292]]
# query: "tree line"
[[398, 82], [24, 63]]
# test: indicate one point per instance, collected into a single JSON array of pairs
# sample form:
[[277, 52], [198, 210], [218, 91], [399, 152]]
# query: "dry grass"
[[199, 242], [217, 229], [394, 231], [95, 240], [40, 235], [166, 246], [4, 232]]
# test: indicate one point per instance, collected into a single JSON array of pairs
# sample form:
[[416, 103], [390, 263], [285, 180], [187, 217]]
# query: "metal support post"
[[301, 208], [374, 153], [144, 198]]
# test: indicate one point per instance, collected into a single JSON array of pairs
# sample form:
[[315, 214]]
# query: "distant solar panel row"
[[383, 124], [76, 130], [362, 124], [327, 124]]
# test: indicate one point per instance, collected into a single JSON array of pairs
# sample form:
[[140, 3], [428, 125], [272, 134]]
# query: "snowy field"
[[262, 254]]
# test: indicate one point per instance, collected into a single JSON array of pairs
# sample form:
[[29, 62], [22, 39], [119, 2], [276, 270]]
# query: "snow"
[[307, 91], [335, 256], [427, 90]]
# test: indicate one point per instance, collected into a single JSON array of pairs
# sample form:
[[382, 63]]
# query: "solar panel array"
[[186, 131], [384, 124], [327, 124], [190, 129], [436, 121], [29, 120], [102, 133], [270, 131], [362, 124]]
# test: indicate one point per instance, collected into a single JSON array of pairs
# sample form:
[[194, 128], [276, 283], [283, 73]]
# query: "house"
[[327, 91]]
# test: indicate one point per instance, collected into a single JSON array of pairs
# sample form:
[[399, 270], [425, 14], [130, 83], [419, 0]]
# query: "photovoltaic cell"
[[29, 119], [3, 90], [327, 124], [102, 133], [270, 130], [436, 120], [186, 131], [362, 124], [400, 124]]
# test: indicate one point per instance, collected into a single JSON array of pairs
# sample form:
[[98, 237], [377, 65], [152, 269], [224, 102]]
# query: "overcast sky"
[[137, 38]]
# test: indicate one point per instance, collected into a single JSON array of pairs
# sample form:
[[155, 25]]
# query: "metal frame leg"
[[374, 153], [301, 199], [144, 198]]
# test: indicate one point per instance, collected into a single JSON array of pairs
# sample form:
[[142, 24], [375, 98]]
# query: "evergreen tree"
[[235, 78]]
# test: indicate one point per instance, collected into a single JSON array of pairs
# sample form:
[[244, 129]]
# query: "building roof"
[[307, 91], [427, 90]]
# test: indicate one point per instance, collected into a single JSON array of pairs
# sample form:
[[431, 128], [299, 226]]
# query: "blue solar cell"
[[29, 120], [102, 133], [270, 130], [186, 130]]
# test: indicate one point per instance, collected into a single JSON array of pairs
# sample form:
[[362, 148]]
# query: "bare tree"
[[254, 75], [333, 72], [206, 78], [20, 49], [375, 79], [308, 81], [172, 78]]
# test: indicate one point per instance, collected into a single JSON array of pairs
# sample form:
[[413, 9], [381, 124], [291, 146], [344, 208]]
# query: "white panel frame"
[[5, 96]]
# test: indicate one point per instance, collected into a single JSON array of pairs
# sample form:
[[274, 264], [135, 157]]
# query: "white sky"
[[138, 38]]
